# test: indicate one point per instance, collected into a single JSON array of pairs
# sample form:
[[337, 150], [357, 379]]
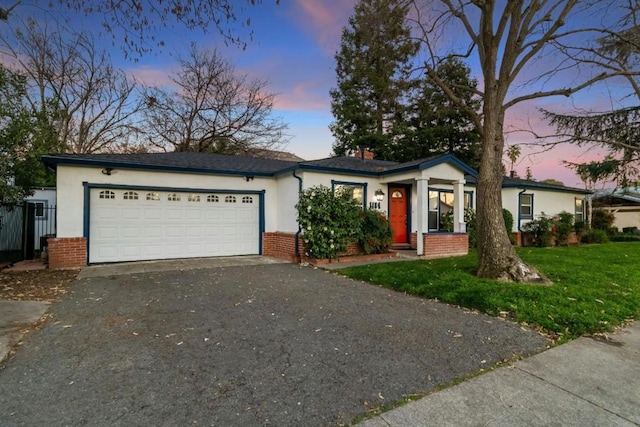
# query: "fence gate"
[[11, 233], [24, 230]]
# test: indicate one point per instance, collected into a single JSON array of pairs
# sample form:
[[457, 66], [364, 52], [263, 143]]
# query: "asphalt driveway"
[[276, 344]]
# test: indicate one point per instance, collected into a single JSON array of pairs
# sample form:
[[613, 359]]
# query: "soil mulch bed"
[[37, 285]]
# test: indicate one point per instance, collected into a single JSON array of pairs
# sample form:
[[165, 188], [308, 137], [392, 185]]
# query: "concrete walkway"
[[586, 382], [15, 316]]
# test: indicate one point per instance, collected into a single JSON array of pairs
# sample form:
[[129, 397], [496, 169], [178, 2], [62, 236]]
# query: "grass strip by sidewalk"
[[595, 287]]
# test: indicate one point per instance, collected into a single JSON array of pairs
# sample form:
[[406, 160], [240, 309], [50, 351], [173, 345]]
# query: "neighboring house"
[[128, 207], [23, 229], [623, 203]]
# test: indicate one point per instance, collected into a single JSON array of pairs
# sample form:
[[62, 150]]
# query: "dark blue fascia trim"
[[449, 158], [180, 189], [297, 244], [118, 165], [261, 221], [86, 209], [534, 186], [353, 184]]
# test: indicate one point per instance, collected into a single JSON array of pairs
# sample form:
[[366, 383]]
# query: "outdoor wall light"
[[107, 171], [379, 195], [248, 178]]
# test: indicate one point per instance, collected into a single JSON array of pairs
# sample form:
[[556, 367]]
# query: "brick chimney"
[[364, 154]]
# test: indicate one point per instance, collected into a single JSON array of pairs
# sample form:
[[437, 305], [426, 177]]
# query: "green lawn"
[[595, 286]]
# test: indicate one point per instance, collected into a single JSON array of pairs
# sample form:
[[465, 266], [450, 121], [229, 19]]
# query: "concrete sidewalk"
[[15, 317], [586, 382]]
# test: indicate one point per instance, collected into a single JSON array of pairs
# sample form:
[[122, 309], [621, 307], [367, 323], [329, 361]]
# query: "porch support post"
[[458, 207], [423, 211]]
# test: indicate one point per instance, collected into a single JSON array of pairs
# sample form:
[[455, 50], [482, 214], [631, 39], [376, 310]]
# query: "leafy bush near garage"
[[375, 236], [595, 236], [328, 221]]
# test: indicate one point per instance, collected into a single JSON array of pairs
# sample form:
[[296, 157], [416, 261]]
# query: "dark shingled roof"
[[523, 183], [187, 161], [355, 164]]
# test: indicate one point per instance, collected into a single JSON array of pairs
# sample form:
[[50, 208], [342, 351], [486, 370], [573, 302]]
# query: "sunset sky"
[[293, 48]]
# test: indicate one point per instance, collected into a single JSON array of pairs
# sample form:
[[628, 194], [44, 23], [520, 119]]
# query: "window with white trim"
[[247, 199], [579, 210], [230, 199], [107, 194], [441, 207], [173, 197], [193, 198], [153, 196], [526, 206], [212, 198], [130, 195]]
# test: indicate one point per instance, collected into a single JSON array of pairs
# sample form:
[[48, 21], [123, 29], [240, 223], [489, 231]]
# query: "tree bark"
[[497, 258]]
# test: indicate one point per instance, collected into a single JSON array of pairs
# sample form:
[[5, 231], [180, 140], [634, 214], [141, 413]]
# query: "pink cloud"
[[304, 96], [324, 19]]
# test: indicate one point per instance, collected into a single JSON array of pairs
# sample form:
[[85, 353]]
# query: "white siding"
[[70, 191]]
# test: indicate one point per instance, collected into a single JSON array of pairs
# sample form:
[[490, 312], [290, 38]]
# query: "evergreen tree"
[[372, 70], [437, 125]]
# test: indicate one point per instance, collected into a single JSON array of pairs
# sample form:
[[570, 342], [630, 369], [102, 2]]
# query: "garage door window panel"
[[173, 197], [106, 194]]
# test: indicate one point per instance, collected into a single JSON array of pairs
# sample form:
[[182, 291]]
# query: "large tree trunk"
[[497, 258]]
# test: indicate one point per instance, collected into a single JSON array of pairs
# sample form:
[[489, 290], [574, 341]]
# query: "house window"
[[212, 198], [193, 198], [247, 199], [355, 190], [441, 204], [579, 210], [173, 197], [230, 199], [153, 196], [526, 206], [130, 195], [107, 194], [39, 209]]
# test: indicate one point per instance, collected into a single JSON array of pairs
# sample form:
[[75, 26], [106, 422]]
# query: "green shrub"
[[602, 220], [470, 219], [375, 235], [595, 236], [327, 220], [562, 227], [630, 230], [625, 238], [508, 220], [580, 228], [539, 230]]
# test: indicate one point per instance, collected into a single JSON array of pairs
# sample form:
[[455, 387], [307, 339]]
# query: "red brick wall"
[[441, 245], [413, 240], [67, 252], [280, 245]]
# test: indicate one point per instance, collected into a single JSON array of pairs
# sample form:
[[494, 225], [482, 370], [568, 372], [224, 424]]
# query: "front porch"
[[430, 204]]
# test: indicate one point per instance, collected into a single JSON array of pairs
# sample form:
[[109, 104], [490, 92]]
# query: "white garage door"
[[131, 225]]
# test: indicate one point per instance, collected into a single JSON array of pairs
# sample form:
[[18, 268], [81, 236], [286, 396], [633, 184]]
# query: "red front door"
[[398, 213]]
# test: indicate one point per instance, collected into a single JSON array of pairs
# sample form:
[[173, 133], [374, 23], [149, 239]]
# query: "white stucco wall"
[[625, 216], [287, 217], [545, 202], [70, 191], [44, 194]]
